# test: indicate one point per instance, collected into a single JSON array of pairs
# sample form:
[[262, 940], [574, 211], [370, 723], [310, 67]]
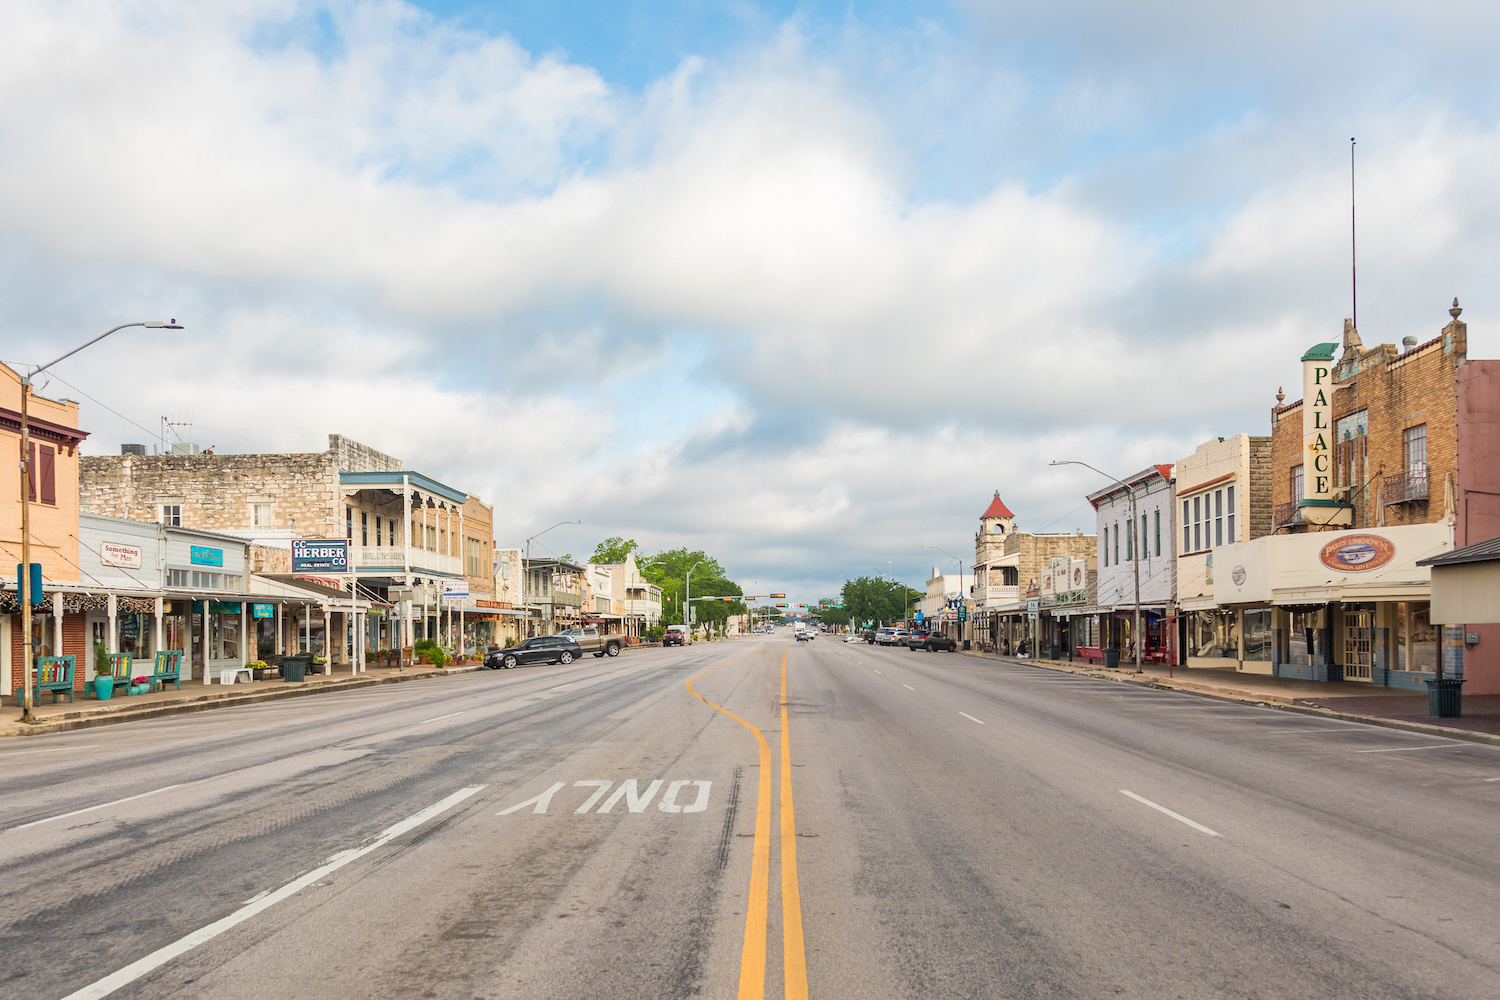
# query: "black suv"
[[537, 649], [931, 641]]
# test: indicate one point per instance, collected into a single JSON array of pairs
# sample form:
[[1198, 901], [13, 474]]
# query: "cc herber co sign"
[[320, 555]]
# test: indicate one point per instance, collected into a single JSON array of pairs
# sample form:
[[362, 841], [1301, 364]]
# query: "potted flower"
[[138, 685], [257, 669]]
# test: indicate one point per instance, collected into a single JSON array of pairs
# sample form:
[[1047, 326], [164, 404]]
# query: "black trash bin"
[[1054, 652], [294, 668], [1112, 659], [1445, 698]]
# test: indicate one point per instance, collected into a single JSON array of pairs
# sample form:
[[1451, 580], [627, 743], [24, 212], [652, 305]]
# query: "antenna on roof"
[[1353, 259]]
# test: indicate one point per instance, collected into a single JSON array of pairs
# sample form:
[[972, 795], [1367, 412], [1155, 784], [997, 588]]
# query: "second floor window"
[[1197, 523], [1297, 493], [364, 528], [349, 523], [1414, 451], [1156, 534], [1187, 527], [171, 515], [1229, 503], [1218, 518], [260, 515]]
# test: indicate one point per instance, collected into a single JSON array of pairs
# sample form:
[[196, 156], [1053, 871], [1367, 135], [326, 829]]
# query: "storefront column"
[[159, 636], [246, 638], [112, 635], [57, 623], [203, 638]]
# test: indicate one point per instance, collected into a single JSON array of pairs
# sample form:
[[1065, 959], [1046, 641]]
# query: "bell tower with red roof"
[[997, 518]]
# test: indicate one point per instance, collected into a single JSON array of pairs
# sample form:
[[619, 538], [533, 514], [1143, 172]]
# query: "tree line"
[[669, 571]]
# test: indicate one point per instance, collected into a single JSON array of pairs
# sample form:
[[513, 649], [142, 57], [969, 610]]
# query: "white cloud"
[[487, 261]]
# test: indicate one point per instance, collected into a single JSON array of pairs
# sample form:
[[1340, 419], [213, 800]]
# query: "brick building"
[[1335, 593]]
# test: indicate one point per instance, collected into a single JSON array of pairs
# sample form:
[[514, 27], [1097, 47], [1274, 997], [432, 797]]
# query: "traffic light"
[[781, 596], [781, 605]]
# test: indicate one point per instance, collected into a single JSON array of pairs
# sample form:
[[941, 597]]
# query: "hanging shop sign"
[[1357, 553], [202, 555], [120, 555], [262, 610], [225, 607], [320, 555], [455, 590]]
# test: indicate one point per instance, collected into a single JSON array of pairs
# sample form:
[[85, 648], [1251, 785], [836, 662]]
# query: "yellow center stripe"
[[794, 957]]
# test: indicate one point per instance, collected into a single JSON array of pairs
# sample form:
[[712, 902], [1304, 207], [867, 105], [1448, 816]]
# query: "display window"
[[224, 637], [1257, 632], [1304, 644], [1414, 638], [1213, 634]]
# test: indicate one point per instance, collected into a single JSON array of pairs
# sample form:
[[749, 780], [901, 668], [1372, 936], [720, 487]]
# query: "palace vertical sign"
[[1318, 505]]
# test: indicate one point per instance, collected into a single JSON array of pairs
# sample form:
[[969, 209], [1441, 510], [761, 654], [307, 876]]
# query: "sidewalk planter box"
[[1111, 659], [294, 668], [1445, 698]]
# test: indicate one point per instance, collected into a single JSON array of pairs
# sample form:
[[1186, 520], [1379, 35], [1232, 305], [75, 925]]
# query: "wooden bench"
[[55, 674], [168, 668], [120, 665]]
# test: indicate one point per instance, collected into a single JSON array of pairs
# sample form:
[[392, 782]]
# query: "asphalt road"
[[957, 828]]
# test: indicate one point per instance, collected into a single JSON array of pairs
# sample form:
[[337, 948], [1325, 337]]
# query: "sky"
[[799, 284]]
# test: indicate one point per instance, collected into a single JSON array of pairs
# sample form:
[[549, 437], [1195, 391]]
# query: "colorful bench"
[[168, 668], [55, 674]]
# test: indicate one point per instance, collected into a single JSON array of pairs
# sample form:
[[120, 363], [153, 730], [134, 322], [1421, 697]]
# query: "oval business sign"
[[1357, 553]]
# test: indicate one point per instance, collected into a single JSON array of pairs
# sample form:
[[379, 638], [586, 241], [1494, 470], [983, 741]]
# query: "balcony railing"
[[994, 594], [1284, 514], [1404, 487], [390, 557]]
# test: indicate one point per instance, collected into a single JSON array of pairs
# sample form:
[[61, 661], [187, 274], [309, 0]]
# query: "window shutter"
[[48, 470], [31, 472]]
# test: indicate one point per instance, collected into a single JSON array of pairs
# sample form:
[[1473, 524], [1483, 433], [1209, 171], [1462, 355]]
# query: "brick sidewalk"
[[196, 696], [1395, 707]]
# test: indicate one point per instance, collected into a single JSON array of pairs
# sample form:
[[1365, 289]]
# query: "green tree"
[[613, 550], [875, 599], [669, 570], [827, 612]]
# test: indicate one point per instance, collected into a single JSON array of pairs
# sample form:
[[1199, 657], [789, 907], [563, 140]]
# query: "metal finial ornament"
[[1457, 310]]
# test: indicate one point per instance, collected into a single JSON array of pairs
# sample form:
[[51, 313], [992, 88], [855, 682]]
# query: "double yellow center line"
[[757, 910]]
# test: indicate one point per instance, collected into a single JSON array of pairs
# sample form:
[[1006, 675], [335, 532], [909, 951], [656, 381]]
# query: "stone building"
[[1009, 563], [406, 531]]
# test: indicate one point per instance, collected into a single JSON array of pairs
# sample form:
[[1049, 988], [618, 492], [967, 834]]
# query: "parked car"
[[537, 649], [869, 635], [854, 637], [891, 636], [675, 635], [931, 641], [591, 640]]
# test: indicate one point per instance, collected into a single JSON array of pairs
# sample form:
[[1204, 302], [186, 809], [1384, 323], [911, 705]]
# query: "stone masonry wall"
[[351, 456], [1260, 486]]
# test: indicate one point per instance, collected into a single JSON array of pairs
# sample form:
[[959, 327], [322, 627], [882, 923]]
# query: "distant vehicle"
[[931, 641], [675, 635], [537, 649], [854, 637], [869, 635], [803, 636], [591, 640], [891, 636]]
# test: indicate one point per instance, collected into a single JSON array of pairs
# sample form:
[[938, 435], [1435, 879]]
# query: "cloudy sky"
[[801, 284]]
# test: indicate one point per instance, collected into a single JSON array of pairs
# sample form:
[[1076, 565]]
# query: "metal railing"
[[1284, 514], [1404, 486]]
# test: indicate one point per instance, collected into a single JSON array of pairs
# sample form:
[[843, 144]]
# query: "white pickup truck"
[[591, 640]]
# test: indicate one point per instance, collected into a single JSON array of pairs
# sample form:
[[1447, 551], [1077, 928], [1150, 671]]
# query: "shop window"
[[1213, 635], [1258, 635], [224, 637], [1304, 642], [261, 515], [1229, 502], [171, 515], [177, 579], [1414, 639]]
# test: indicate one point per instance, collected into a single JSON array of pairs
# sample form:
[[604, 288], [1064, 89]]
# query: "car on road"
[[591, 640], [854, 637], [931, 641], [675, 635], [537, 649], [891, 636], [804, 636]]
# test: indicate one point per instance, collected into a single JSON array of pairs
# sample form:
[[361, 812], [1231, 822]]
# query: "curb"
[[204, 703], [1279, 702]]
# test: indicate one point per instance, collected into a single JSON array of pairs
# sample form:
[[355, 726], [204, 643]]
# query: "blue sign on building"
[[202, 555], [262, 610], [319, 555]]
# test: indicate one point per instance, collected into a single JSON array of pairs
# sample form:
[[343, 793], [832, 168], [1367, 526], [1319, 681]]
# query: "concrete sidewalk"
[[196, 696], [1391, 707]]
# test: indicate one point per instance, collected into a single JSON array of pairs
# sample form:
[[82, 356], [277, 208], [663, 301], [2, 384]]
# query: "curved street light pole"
[[526, 571], [960, 562], [1135, 552], [687, 601], [23, 578]]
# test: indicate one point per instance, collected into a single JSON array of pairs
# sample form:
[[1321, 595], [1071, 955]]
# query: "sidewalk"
[[1395, 708], [196, 696]]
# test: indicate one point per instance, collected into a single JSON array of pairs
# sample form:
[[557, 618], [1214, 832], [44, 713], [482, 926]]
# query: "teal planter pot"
[[103, 687]]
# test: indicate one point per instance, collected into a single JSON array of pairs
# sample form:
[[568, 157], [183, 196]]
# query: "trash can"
[[1445, 698], [1112, 659], [294, 668], [1054, 652]]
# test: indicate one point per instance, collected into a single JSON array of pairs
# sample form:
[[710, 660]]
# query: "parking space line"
[[440, 718], [908, 687], [1167, 812], [1444, 746], [971, 718]]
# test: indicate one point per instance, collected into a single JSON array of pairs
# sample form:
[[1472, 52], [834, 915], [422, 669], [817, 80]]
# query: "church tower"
[[995, 525]]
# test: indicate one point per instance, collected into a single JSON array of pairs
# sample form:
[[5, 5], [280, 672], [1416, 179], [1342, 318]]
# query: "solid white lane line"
[[441, 718], [1165, 811], [162, 956], [971, 718], [1492, 779], [102, 805], [23, 753], [908, 687], [1445, 746], [879, 671]]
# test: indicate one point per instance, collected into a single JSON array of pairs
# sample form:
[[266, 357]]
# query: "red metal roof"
[[997, 508]]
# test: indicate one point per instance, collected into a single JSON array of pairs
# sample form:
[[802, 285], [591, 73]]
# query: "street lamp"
[[526, 573], [1136, 553], [687, 601], [23, 579], [960, 562]]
